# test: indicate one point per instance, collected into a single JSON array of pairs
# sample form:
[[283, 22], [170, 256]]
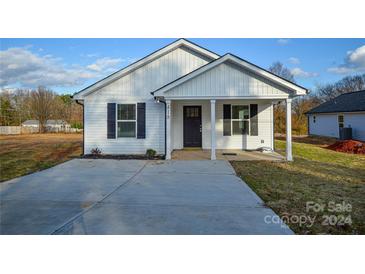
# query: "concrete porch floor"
[[204, 154]]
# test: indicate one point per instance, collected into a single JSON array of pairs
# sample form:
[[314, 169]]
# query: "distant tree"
[[300, 106], [42, 103], [347, 84], [7, 111], [280, 70]]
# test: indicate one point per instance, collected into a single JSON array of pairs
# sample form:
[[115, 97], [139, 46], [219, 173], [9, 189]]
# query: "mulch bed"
[[348, 146], [122, 157]]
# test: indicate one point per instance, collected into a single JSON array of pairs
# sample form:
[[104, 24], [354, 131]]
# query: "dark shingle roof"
[[347, 102]]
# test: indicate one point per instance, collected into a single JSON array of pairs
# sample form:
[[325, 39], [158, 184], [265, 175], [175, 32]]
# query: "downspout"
[[83, 125], [163, 102]]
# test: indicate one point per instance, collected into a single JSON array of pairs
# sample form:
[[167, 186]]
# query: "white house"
[[182, 96], [346, 110], [51, 125]]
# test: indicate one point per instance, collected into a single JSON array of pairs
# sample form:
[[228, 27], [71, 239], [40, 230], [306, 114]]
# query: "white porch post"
[[212, 127], [168, 129], [289, 156]]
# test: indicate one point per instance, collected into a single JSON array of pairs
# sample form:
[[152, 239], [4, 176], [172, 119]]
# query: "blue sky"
[[68, 65]]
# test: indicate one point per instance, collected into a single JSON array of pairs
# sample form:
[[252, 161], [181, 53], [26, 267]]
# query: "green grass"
[[317, 174]]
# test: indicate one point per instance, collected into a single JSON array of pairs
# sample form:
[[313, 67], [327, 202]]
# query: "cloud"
[[24, 68], [354, 62], [298, 72], [104, 64], [283, 41], [294, 60], [27, 69]]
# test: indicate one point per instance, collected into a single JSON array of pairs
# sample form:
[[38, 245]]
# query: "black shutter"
[[227, 120], [254, 125], [141, 120], [111, 121]]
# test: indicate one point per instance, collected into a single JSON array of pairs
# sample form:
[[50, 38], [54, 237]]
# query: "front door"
[[192, 126]]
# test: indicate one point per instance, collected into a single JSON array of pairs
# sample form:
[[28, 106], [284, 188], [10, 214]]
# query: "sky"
[[69, 65]]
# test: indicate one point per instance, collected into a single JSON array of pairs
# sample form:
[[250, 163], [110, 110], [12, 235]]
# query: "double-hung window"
[[240, 119], [126, 120]]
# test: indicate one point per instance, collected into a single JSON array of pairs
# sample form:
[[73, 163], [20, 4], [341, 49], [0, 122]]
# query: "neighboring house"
[[51, 125], [183, 96], [346, 110]]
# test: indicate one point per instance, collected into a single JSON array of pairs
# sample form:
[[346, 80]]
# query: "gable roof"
[[298, 90], [149, 58], [347, 102]]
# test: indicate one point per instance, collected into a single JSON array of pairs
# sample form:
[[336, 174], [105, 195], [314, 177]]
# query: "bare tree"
[[347, 84], [280, 70], [42, 103]]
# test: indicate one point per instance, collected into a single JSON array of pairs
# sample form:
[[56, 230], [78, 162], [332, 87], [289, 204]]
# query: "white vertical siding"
[[226, 80], [265, 129], [133, 88]]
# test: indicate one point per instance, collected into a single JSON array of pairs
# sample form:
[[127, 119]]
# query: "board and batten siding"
[[226, 80], [326, 124], [265, 125], [135, 87]]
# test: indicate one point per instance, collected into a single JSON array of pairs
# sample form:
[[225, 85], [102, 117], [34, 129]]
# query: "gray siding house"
[[184, 95], [346, 110]]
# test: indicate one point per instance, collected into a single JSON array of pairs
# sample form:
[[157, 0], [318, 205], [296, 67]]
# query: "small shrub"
[[95, 151], [150, 153], [76, 125]]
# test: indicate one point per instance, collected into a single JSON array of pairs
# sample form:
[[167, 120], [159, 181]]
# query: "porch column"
[[289, 156], [212, 127], [168, 129]]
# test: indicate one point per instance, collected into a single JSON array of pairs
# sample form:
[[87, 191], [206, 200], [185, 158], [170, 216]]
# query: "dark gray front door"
[[192, 126]]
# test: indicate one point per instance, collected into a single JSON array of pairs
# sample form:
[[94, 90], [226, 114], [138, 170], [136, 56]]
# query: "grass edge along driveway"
[[317, 175]]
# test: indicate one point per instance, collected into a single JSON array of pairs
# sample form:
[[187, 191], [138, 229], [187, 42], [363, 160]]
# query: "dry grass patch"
[[24, 154], [317, 175]]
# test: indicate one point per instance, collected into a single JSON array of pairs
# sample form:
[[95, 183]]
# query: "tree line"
[[300, 105], [42, 104]]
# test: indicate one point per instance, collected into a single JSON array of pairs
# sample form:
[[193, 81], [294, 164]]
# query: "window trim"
[[343, 120], [117, 120], [248, 120]]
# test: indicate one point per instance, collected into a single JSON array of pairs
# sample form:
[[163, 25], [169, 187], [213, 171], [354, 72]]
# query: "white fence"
[[13, 130], [8, 130]]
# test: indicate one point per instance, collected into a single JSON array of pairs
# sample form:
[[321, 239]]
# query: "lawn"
[[317, 175], [24, 154]]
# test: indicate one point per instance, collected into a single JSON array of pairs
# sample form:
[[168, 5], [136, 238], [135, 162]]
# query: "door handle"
[[200, 128]]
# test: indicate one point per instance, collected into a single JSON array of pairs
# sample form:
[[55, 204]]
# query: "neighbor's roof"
[[347, 102]]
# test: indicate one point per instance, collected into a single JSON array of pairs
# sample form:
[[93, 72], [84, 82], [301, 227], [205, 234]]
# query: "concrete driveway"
[[85, 196]]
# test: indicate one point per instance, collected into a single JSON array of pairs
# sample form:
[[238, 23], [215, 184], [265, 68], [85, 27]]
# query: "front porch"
[[200, 129], [221, 154]]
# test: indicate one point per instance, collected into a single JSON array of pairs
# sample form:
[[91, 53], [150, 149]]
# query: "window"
[[126, 120], [340, 121], [314, 119], [240, 119]]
